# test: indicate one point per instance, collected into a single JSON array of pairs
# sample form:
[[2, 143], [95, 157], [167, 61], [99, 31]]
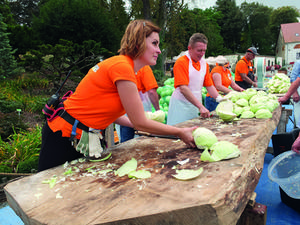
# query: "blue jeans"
[[127, 133], [210, 103]]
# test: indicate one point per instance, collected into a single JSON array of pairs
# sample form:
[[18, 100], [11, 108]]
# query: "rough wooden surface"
[[218, 196]]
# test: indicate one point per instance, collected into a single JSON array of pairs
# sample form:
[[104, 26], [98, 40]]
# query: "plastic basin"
[[284, 169]]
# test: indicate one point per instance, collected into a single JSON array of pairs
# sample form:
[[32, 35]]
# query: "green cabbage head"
[[219, 151], [247, 115], [263, 114], [225, 111], [242, 102], [204, 138], [237, 110], [158, 116]]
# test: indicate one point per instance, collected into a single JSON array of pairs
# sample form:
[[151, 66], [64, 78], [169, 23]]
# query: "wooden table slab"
[[218, 196]]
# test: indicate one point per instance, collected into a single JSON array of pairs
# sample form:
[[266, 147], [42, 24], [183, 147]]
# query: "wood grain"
[[218, 196]]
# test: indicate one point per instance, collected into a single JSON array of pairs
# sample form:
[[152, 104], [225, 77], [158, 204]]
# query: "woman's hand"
[[186, 135]]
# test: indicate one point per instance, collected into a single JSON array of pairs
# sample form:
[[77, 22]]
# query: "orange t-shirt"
[[225, 76], [242, 66], [96, 102], [181, 72], [146, 79]]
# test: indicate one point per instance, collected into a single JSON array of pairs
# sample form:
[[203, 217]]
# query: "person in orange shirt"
[[102, 97], [191, 73], [222, 79], [211, 61], [244, 70], [147, 86]]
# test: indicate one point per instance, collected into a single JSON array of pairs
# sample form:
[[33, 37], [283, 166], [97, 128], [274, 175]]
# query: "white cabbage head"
[[225, 111], [204, 138]]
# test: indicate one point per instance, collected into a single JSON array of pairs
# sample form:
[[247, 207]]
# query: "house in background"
[[288, 44]]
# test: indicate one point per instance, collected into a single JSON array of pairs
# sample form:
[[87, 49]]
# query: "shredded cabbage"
[[126, 168], [187, 174]]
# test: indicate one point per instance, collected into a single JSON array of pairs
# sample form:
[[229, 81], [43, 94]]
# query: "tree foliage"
[[230, 23], [55, 61], [8, 17], [78, 21], [193, 21], [256, 30], [8, 64], [23, 10], [282, 15]]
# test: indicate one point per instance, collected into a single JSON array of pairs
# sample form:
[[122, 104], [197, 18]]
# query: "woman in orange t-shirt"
[[221, 77], [103, 96]]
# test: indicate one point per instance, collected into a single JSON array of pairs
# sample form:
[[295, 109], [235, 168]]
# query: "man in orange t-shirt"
[[190, 75], [244, 74], [222, 79]]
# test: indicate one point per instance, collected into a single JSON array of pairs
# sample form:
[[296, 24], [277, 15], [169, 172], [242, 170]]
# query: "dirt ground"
[[32, 119]]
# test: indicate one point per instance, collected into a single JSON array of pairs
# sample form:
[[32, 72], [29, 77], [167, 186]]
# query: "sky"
[[203, 4]]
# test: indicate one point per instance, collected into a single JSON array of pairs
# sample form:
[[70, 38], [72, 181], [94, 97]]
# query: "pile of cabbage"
[[214, 150], [165, 93], [158, 116], [247, 104], [279, 84]]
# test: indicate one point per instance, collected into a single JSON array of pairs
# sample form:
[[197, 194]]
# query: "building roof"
[[291, 32]]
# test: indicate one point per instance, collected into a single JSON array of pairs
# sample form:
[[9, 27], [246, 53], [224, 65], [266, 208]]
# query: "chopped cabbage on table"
[[187, 174], [221, 150]]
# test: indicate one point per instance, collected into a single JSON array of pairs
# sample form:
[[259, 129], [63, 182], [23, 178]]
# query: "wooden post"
[[285, 113], [283, 121], [109, 135], [254, 213]]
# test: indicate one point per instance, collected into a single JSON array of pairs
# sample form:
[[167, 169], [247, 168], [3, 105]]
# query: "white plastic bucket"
[[284, 169]]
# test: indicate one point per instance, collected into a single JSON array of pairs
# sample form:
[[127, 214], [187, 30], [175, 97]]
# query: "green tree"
[[256, 30], [193, 21], [55, 61], [23, 10], [8, 64], [282, 15], [6, 12], [120, 16], [21, 36], [230, 23], [77, 21]]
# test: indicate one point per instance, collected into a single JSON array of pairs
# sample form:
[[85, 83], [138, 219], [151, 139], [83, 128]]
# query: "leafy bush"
[[28, 166], [21, 149], [159, 76], [10, 122], [8, 106]]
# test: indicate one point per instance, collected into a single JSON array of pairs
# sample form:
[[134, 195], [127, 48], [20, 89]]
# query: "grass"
[[20, 148], [20, 141]]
